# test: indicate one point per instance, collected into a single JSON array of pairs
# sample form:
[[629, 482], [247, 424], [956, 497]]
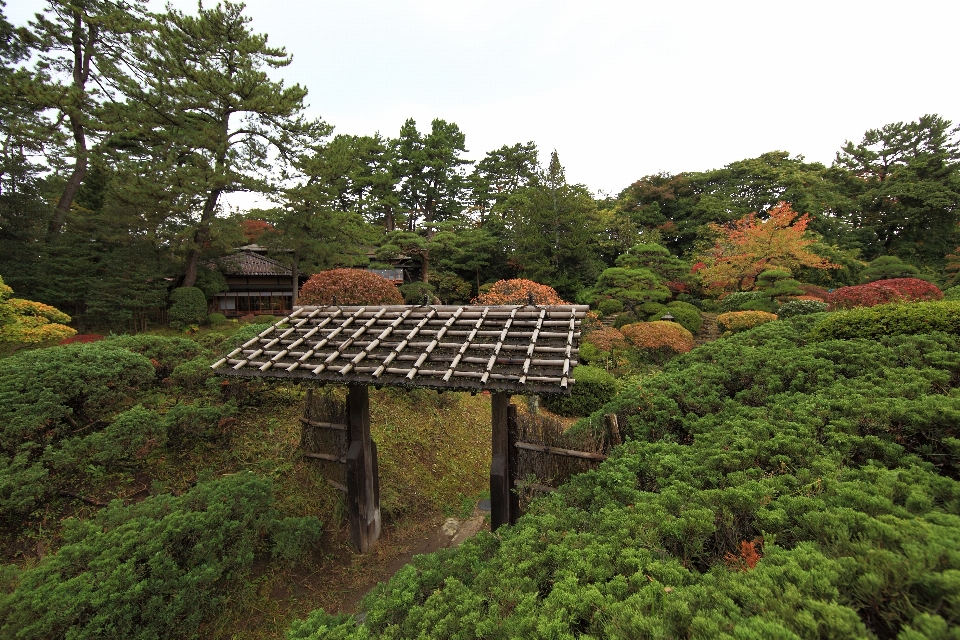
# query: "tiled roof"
[[248, 263], [519, 349]]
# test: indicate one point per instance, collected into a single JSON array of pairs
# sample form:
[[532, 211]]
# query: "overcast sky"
[[620, 89]]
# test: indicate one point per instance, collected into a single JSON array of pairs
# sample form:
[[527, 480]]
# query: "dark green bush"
[[610, 307], [736, 301], [891, 319], [130, 436], [193, 373], [624, 319], [417, 292], [800, 308], [264, 319], [187, 306], [164, 352], [217, 319], [593, 388], [156, 569], [953, 293], [188, 423], [684, 314]]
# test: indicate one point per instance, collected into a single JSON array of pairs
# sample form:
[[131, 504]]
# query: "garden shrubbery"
[[593, 388], [773, 486], [348, 287], [735, 321], [156, 569], [187, 306], [800, 308], [891, 319], [882, 292], [658, 341]]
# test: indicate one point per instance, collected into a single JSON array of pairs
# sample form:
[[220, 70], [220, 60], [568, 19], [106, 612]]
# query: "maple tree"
[[518, 291], [748, 246], [348, 286], [882, 292], [29, 321]]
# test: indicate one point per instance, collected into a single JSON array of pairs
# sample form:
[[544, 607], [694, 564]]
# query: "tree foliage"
[[519, 291], [883, 291], [28, 321]]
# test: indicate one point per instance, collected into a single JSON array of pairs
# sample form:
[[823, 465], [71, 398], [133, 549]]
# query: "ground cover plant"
[[773, 485]]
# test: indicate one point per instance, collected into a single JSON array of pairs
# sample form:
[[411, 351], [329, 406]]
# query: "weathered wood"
[[363, 502], [543, 488], [500, 476], [336, 485], [557, 451], [323, 425], [613, 428], [512, 460]]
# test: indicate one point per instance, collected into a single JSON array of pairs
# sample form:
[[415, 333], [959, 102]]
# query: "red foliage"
[[659, 335], [253, 229], [517, 292], [82, 338], [606, 339], [813, 291], [882, 292], [676, 287], [349, 287]]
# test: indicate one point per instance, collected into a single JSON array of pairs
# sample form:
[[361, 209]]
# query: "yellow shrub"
[[736, 321]]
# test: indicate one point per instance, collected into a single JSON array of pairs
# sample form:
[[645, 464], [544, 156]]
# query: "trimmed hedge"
[[735, 301], [187, 306], [800, 308], [890, 319]]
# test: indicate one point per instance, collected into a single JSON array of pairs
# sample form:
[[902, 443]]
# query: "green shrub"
[[164, 352], [735, 321], [610, 307], [450, 288], [735, 301], [130, 436], [192, 374], [593, 388], [264, 319], [953, 293], [157, 569], [684, 314], [891, 319], [187, 306], [294, 538], [192, 422], [624, 319], [417, 292], [217, 319], [800, 308]]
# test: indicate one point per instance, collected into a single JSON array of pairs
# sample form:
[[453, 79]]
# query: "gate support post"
[[363, 483], [501, 471]]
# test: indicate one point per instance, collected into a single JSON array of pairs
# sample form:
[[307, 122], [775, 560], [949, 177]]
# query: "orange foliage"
[[350, 287], [748, 557], [735, 321], [606, 339], [658, 335], [517, 292], [253, 229], [749, 245]]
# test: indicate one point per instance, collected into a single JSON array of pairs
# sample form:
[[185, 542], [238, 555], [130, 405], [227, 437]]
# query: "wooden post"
[[613, 428], [500, 473], [513, 434], [363, 487]]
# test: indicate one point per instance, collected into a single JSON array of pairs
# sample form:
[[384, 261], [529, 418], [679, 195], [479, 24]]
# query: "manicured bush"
[[602, 347], [192, 374], [30, 322], [610, 307], [156, 569], [593, 388], [953, 293], [883, 292], [264, 319], [801, 307], [417, 292], [187, 306], [450, 288], [735, 301], [887, 268], [658, 341], [890, 319], [349, 287], [624, 319], [813, 291], [684, 314], [735, 321], [518, 291], [217, 319]]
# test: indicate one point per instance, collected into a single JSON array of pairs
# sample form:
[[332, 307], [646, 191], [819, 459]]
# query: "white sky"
[[620, 89]]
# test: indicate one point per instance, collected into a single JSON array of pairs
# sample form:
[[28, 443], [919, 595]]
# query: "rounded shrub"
[[349, 287], [187, 306], [736, 321], [884, 292], [518, 291], [417, 292], [801, 308], [610, 307], [593, 388], [658, 341], [890, 319], [684, 314], [217, 319], [264, 319], [735, 301], [953, 293], [624, 319]]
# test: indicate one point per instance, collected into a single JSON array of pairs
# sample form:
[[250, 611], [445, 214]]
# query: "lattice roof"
[[519, 349]]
